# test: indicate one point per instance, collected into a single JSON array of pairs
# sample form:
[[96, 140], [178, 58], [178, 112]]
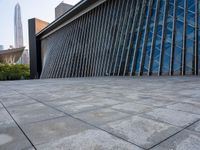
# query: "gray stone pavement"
[[101, 114]]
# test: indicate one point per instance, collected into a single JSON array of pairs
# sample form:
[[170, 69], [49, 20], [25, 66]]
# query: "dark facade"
[[35, 26], [123, 38]]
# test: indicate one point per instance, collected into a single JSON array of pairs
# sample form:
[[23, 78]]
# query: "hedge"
[[14, 72]]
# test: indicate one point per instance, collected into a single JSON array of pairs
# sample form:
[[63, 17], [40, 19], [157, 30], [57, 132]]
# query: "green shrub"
[[14, 72]]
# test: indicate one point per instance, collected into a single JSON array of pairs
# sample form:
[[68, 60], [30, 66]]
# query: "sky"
[[41, 9]]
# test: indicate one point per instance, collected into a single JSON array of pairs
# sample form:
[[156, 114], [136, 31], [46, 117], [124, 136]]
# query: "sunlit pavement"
[[101, 114]]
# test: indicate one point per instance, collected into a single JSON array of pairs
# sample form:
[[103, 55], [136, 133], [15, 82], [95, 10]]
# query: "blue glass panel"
[[171, 1], [180, 13], [199, 39], [168, 40], [166, 60], [191, 5], [150, 35], [171, 6], [179, 37], [132, 52], [147, 58], [141, 40], [158, 39], [181, 3], [190, 36], [138, 60], [190, 18], [179, 33], [199, 12], [189, 56]]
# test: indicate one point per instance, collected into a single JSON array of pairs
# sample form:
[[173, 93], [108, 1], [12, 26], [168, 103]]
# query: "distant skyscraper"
[[18, 27]]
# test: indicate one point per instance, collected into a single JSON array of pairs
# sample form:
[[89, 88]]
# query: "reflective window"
[[190, 30], [146, 64], [199, 37], [179, 37], [168, 38], [156, 55], [142, 39]]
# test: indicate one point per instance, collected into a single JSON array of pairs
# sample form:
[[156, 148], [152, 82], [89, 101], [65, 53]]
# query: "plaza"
[[118, 113]]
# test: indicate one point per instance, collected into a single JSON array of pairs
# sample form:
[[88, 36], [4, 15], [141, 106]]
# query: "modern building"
[[121, 38], [11, 56], [18, 27], [61, 9], [1, 47]]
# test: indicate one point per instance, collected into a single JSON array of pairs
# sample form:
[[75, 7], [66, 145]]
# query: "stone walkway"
[[101, 114]]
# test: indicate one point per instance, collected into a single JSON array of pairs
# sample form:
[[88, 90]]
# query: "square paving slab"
[[33, 113], [1, 106], [105, 113], [54, 129], [141, 131], [5, 119], [195, 127], [101, 116], [132, 108], [17, 101], [184, 140], [89, 140], [187, 107], [177, 118], [11, 138]]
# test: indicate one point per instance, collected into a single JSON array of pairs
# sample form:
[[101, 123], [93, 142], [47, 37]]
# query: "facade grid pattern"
[[127, 38]]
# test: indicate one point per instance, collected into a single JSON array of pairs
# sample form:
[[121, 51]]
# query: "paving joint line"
[[185, 128], [183, 111], [19, 127], [85, 122], [29, 123], [165, 107], [20, 105]]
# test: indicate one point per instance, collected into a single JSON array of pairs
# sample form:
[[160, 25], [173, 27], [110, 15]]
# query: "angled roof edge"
[[76, 11], [13, 50]]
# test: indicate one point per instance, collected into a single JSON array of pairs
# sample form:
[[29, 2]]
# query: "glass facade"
[[127, 38], [197, 39]]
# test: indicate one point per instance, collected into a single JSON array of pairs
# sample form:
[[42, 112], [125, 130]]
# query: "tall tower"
[[18, 27]]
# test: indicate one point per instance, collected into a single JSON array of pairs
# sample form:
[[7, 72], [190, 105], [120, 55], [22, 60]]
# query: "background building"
[[122, 38], [1, 47], [25, 57], [61, 9], [11, 47], [11, 56]]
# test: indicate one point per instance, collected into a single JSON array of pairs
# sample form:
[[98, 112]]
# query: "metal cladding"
[[126, 38]]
